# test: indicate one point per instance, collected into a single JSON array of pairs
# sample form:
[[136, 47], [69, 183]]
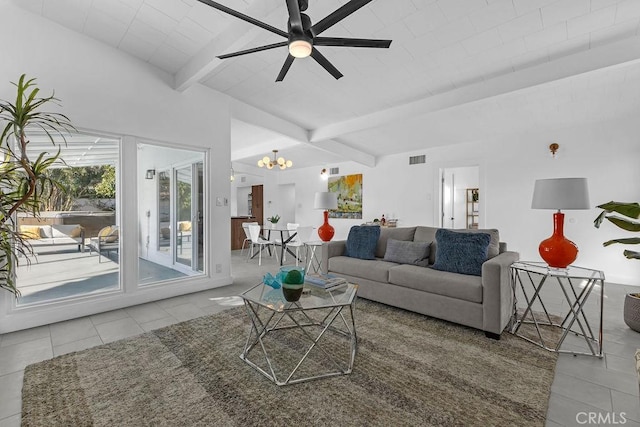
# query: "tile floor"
[[583, 385]]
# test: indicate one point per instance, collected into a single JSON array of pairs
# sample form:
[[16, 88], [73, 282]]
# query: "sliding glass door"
[[189, 216], [173, 199]]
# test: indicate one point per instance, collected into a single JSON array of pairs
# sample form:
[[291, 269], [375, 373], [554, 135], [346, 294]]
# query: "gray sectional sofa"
[[483, 302]]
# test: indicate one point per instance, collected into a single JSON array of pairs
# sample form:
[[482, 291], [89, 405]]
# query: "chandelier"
[[276, 161]]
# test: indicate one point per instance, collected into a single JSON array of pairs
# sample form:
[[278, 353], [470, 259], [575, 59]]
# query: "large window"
[[69, 262], [171, 213]]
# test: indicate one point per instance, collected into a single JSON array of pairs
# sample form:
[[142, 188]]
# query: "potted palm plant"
[[23, 182], [625, 216]]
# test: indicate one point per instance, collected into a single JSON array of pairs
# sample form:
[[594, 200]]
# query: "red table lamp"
[[326, 200], [559, 193]]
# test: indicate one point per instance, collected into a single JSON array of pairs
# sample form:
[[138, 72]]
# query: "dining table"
[[284, 231]]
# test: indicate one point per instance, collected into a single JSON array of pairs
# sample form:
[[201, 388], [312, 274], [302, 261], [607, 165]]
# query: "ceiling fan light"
[[289, 163], [300, 48]]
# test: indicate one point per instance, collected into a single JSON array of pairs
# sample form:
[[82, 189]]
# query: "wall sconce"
[[554, 148], [324, 174], [150, 174]]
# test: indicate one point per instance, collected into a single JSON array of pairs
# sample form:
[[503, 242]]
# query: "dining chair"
[[292, 228], [258, 240], [245, 227], [302, 234]]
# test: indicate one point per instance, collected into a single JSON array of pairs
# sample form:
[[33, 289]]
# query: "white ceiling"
[[457, 70]]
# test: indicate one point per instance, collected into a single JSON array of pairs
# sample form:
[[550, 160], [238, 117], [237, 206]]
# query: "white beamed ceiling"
[[457, 70]]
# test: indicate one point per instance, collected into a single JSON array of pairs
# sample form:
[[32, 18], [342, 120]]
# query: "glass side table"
[[577, 284]]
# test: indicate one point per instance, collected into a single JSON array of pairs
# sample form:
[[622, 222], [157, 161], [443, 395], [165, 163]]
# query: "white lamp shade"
[[561, 193], [326, 200]]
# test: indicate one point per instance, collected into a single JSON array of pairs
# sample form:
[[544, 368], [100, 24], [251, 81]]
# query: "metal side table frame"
[[332, 302], [568, 280]]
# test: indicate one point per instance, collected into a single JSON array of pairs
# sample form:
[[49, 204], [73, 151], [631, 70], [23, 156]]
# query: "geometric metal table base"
[[577, 284], [318, 324]]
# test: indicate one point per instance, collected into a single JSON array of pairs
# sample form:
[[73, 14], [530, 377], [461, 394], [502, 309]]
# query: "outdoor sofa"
[[56, 235]]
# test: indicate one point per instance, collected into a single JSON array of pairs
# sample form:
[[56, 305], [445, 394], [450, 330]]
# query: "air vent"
[[416, 160], [334, 171]]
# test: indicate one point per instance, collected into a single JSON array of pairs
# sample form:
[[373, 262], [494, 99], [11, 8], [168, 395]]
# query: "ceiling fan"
[[302, 37]]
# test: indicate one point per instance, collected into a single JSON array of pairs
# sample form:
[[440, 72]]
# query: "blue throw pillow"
[[462, 253], [362, 241]]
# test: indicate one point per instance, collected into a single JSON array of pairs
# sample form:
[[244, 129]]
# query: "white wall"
[[287, 199], [607, 154], [105, 90]]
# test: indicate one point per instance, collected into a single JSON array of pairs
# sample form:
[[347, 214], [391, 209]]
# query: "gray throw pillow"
[[462, 253], [405, 252]]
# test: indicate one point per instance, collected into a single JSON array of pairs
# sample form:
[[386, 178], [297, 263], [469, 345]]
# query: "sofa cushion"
[[376, 270], [400, 233], [462, 253], [46, 231], [31, 232], [65, 230], [453, 285], [427, 234], [362, 240], [109, 234], [114, 235], [402, 252]]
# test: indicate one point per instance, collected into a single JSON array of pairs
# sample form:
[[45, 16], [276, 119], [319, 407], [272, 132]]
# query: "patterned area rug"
[[410, 370]]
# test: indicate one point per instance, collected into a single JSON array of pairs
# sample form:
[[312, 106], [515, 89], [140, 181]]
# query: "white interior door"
[[454, 184]]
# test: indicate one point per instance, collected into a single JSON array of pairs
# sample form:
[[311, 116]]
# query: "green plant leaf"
[[632, 254], [624, 224], [631, 210], [23, 182], [599, 219], [629, 241]]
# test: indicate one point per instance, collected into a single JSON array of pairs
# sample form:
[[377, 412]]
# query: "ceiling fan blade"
[[338, 15], [244, 17], [252, 50], [285, 68], [348, 42], [294, 16], [320, 59]]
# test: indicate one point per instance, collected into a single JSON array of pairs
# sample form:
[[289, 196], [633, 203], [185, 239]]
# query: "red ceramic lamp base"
[[558, 251], [326, 231]]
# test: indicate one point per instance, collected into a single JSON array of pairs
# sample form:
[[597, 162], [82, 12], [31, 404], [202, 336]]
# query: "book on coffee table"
[[326, 281]]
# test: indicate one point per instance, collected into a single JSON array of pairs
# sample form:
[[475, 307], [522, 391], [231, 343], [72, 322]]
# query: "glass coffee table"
[[292, 342]]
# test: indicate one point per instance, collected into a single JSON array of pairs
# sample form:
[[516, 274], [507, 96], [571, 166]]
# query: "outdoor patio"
[[55, 274]]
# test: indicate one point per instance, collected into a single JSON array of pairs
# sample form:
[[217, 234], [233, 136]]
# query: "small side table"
[[576, 283]]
